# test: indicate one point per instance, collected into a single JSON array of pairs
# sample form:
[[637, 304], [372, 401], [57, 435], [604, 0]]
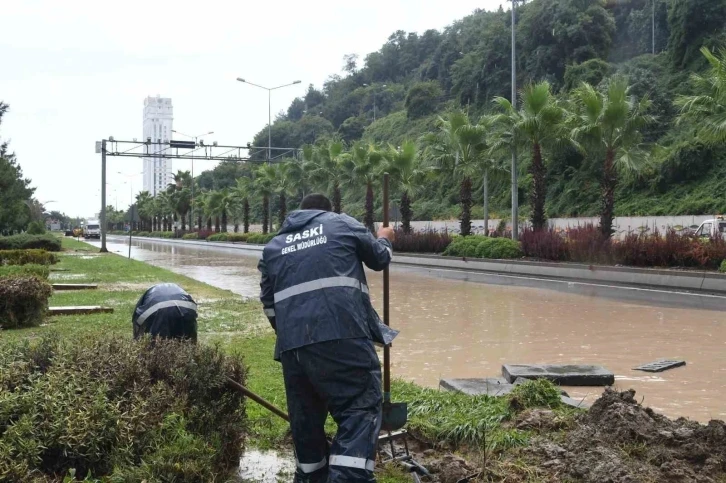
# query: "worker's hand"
[[387, 233]]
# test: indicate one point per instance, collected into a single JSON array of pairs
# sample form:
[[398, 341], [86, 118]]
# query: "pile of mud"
[[620, 441]]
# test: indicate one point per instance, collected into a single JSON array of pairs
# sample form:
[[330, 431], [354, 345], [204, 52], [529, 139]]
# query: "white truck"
[[92, 229], [713, 228]]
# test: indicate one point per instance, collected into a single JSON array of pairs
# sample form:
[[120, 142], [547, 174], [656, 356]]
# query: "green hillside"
[[416, 77]]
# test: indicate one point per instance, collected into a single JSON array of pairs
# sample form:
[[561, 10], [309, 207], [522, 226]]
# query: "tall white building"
[[158, 118]]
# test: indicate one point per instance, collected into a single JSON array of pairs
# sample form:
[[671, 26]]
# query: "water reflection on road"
[[453, 328]]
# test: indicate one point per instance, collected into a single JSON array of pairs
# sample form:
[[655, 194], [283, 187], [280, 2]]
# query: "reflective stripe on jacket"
[[313, 284]]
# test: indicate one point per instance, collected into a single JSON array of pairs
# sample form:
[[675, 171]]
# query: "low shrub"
[[538, 393], [50, 243], [722, 267], [23, 303], [40, 271], [260, 239], [24, 257], [36, 228], [190, 236], [546, 244], [161, 234], [237, 237], [464, 246], [421, 242], [204, 234], [217, 237], [119, 410], [141, 233], [499, 248]]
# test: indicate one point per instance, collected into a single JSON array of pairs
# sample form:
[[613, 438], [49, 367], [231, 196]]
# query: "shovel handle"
[[386, 314], [262, 402]]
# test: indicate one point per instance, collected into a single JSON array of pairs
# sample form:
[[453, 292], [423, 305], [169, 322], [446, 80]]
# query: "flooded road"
[[452, 328]]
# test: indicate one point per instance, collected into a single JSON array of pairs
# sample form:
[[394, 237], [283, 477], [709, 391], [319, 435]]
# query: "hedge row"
[[24, 257], [112, 409], [475, 246], [49, 243], [23, 303], [40, 271]]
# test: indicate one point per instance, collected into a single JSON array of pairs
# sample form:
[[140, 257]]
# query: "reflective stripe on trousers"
[[352, 462], [312, 467], [320, 284]]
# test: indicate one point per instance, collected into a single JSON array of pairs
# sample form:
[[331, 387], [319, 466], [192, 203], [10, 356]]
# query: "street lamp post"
[[269, 110], [191, 226], [515, 194], [374, 99], [131, 205]]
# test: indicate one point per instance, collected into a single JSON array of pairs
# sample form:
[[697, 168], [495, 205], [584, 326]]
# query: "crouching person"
[[166, 311]]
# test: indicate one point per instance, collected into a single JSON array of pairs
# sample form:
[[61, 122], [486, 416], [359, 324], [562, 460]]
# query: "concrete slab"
[[575, 403], [492, 386], [74, 286], [562, 374], [80, 310], [660, 366]]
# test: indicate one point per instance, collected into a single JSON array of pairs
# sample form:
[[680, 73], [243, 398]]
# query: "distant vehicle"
[[69, 232], [92, 229], [712, 228]]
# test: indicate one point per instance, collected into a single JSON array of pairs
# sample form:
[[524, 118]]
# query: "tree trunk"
[[183, 222], [236, 227], [485, 193], [609, 183], [209, 223], [216, 224], [368, 222], [406, 213], [336, 199], [199, 222], [265, 213], [191, 221], [224, 221], [283, 209], [539, 190], [153, 224], [246, 215], [465, 200]]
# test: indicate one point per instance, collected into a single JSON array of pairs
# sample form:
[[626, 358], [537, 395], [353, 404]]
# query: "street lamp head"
[[297, 82], [241, 79]]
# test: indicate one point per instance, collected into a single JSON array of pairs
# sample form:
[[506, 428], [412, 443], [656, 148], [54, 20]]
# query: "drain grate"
[[660, 366]]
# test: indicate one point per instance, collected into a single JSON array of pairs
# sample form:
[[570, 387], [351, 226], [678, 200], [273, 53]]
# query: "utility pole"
[[515, 200], [103, 197]]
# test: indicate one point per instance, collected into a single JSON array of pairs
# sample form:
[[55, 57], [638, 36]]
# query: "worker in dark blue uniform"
[[315, 295]]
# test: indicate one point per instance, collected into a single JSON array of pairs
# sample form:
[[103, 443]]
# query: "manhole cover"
[[660, 366]]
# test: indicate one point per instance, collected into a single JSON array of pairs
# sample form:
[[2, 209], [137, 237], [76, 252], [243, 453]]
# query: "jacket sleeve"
[[267, 293], [375, 253]]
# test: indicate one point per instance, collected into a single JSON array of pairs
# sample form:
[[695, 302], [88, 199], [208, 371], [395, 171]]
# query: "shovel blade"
[[395, 416]]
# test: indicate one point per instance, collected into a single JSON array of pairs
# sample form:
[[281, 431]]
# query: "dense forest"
[[400, 93]]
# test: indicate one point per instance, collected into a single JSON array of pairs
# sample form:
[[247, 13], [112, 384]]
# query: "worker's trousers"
[[343, 378]]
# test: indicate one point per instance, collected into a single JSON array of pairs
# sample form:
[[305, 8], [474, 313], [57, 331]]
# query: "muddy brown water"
[[452, 328]]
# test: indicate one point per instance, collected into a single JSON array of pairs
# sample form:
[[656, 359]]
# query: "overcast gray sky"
[[77, 71]]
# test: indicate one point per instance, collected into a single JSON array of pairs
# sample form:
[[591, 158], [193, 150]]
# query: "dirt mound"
[[620, 441]]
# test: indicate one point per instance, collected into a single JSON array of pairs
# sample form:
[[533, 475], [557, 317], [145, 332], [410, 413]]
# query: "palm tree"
[[219, 205], [404, 166], [459, 147], [166, 208], [285, 184], [608, 125], [144, 203], [326, 170], [362, 166], [264, 184], [538, 125], [242, 192], [708, 107]]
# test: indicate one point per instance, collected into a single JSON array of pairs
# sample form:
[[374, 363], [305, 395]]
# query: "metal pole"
[[103, 197], [131, 215], [191, 225], [386, 313], [653, 24], [515, 200], [269, 125], [374, 104]]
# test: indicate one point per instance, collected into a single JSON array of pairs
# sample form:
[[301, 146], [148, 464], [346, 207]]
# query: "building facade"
[[158, 119]]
